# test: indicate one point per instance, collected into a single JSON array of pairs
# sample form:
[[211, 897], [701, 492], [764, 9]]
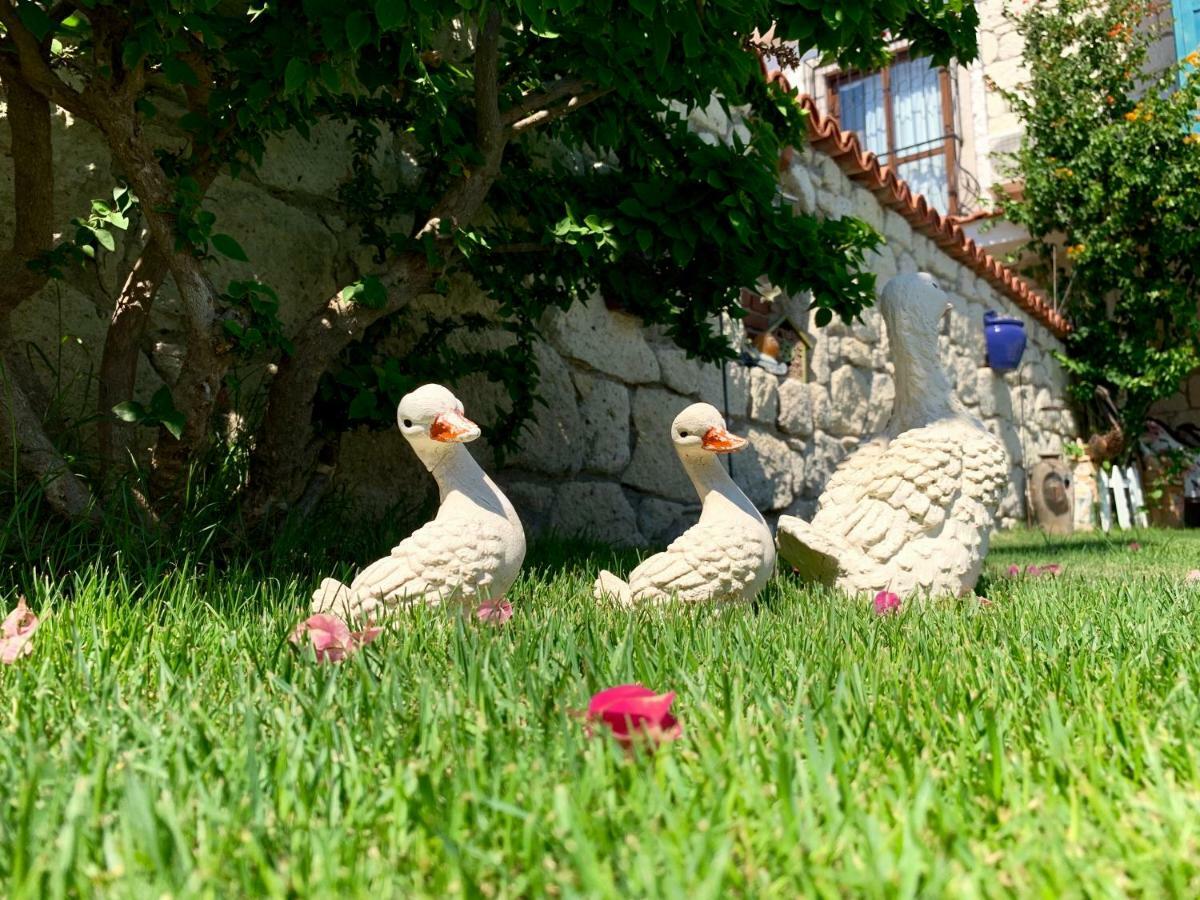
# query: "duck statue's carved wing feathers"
[[891, 493], [701, 562], [440, 561]]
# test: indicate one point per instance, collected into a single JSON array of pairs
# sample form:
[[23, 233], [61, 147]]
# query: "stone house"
[[597, 459]]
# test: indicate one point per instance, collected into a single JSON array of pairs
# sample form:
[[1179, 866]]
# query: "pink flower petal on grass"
[[1135, 546], [495, 612], [1014, 571], [1051, 569], [16, 633], [1033, 571], [1192, 577], [886, 602], [331, 638], [632, 711]]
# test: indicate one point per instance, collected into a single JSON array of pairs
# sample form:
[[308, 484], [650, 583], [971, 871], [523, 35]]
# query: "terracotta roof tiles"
[[862, 166]]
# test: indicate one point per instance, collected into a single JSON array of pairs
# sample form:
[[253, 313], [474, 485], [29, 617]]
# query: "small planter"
[[1005, 339]]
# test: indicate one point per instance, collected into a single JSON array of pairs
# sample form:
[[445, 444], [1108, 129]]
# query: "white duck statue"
[[729, 554], [910, 511], [473, 548]]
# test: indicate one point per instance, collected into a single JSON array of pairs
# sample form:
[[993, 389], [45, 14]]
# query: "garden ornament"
[[471, 551], [912, 509], [728, 555]]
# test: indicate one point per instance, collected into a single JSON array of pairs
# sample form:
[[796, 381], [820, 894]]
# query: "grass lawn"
[[164, 738]]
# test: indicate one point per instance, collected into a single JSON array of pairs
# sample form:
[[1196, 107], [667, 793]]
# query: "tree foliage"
[[550, 158], [1110, 162]]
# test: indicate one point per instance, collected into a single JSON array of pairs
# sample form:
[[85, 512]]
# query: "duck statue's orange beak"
[[453, 428], [718, 440]]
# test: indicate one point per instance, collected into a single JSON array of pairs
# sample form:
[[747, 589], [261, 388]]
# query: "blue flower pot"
[[1005, 341]]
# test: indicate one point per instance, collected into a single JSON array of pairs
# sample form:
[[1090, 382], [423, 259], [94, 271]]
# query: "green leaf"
[[35, 19], [227, 246], [823, 317], [179, 72], [104, 239], [174, 422], [390, 14], [645, 239], [362, 406], [295, 76], [358, 29], [130, 411]]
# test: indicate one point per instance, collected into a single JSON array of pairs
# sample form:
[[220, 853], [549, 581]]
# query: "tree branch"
[[542, 116], [546, 96], [287, 449], [33, 193], [34, 68]]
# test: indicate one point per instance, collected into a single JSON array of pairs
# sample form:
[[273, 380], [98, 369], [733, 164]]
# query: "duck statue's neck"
[[717, 490], [923, 392], [460, 479]]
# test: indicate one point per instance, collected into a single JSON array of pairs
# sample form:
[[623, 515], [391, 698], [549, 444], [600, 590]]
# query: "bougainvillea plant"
[[1110, 162], [549, 158]]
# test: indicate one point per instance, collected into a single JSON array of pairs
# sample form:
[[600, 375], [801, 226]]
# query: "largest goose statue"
[[911, 510], [473, 548], [728, 555]]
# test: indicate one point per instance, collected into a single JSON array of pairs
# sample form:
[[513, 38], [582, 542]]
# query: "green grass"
[[165, 739]]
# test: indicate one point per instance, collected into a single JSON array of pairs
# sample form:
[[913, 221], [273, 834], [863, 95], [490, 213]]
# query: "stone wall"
[[597, 460]]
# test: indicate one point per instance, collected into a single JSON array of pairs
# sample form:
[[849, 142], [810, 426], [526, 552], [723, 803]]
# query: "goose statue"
[[910, 512], [729, 554], [470, 552]]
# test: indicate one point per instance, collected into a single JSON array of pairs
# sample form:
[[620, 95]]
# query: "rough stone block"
[[764, 395], [596, 509], [993, 393], [795, 407], [767, 471], [736, 386], [848, 391], [553, 443], [532, 501], [678, 372], [882, 399], [661, 521], [609, 342], [655, 468], [604, 420]]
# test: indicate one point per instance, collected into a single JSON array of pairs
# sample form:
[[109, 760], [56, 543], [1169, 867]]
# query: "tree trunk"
[[122, 348], [22, 437], [287, 449]]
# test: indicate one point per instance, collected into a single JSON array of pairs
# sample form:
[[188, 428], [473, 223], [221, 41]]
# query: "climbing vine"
[[547, 156], [1110, 166]]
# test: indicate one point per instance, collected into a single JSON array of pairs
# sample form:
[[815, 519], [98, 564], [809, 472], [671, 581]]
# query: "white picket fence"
[[1121, 489]]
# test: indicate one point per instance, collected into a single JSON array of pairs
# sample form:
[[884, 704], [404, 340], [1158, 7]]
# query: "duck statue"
[[470, 552], [909, 512], [729, 554]]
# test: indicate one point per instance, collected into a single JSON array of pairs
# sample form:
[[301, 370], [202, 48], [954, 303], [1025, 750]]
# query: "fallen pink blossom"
[[1135, 546], [1033, 571], [1052, 569], [1192, 577], [886, 602], [1014, 571], [16, 633], [632, 711], [494, 612], [331, 638]]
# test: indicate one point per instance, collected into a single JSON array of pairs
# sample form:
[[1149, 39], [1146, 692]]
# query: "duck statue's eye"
[[408, 423], [683, 434]]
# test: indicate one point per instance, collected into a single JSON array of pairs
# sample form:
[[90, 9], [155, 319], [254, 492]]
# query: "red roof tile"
[[892, 192]]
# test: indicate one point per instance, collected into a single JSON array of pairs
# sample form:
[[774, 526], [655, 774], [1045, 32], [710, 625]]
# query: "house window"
[[905, 115]]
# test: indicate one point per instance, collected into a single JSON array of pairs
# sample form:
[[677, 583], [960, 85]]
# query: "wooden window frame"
[[949, 146]]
